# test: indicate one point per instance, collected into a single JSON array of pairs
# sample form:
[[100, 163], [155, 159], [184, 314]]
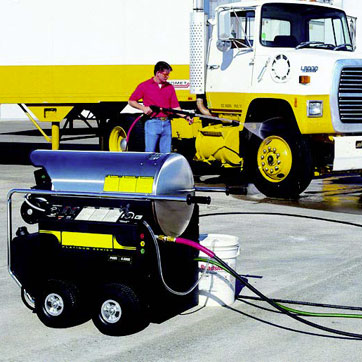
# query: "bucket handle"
[[238, 251]]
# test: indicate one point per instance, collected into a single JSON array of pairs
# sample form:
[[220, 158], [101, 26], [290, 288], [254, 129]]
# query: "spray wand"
[[175, 112], [193, 114]]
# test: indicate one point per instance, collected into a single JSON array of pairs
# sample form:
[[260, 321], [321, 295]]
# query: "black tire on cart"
[[57, 305], [118, 311], [284, 166]]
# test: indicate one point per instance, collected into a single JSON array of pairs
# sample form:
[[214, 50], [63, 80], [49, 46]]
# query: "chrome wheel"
[[54, 304], [111, 311], [57, 305], [118, 310]]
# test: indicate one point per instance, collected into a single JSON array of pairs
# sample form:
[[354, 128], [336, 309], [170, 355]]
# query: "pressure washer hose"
[[212, 255], [296, 311], [132, 125], [264, 297], [159, 264]]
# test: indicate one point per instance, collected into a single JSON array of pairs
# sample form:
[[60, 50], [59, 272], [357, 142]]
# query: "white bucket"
[[217, 287]]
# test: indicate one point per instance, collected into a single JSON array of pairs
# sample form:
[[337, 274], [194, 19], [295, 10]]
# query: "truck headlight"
[[314, 108]]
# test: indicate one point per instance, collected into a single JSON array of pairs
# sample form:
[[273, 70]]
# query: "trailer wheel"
[[116, 138], [118, 311], [116, 134], [283, 165], [57, 304]]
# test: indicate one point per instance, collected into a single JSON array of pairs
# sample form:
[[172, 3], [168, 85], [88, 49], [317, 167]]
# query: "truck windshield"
[[300, 26]]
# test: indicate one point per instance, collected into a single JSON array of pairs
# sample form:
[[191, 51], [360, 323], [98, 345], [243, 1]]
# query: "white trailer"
[[286, 70]]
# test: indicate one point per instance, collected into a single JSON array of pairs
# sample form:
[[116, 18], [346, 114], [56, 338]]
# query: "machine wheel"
[[283, 166], [118, 311], [116, 134], [58, 304]]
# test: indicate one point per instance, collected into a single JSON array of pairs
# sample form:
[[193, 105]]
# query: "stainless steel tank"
[[166, 176]]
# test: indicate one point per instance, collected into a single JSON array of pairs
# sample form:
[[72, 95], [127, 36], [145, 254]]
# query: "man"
[[157, 92]]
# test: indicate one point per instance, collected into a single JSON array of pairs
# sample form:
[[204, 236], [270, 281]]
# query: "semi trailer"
[[284, 72]]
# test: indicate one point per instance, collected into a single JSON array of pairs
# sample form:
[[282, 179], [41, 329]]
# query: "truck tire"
[[284, 166], [116, 131], [57, 304], [118, 311]]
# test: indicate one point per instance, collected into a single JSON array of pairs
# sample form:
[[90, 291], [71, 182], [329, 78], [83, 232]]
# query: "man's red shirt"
[[154, 95]]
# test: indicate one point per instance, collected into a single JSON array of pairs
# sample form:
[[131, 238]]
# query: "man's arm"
[[145, 109], [136, 96], [188, 118]]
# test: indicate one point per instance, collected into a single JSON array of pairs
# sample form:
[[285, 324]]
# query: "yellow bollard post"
[[55, 135]]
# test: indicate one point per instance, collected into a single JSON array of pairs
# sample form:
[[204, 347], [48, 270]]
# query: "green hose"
[[313, 314], [291, 310]]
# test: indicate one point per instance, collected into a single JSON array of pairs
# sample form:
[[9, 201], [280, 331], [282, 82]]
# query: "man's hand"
[[189, 119], [147, 110]]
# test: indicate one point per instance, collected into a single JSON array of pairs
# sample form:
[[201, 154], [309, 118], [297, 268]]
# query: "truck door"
[[230, 63]]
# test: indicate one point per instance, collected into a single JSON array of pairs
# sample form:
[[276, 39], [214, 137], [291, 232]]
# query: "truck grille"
[[350, 95]]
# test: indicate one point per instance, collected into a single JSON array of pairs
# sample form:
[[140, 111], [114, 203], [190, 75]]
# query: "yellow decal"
[[144, 185], [141, 184], [127, 184], [116, 245], [58, 234], [102, 241], [111, 183]]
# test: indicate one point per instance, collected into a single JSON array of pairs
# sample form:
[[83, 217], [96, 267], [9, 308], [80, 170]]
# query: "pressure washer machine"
[[93, 252]]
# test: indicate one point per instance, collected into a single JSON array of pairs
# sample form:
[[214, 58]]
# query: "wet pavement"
[[338, 193]]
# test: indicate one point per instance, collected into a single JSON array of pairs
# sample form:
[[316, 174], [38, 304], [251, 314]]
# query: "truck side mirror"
[[352, 23], [224, 31]]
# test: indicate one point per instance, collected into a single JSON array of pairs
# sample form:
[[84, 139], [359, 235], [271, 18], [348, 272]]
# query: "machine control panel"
[[93, 213], [106, 214], [102, 214]]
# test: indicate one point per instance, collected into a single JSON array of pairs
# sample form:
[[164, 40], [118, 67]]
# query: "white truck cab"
[[288, 71]]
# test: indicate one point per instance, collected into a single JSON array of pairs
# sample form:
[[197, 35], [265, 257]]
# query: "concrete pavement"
[[294, 257]]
